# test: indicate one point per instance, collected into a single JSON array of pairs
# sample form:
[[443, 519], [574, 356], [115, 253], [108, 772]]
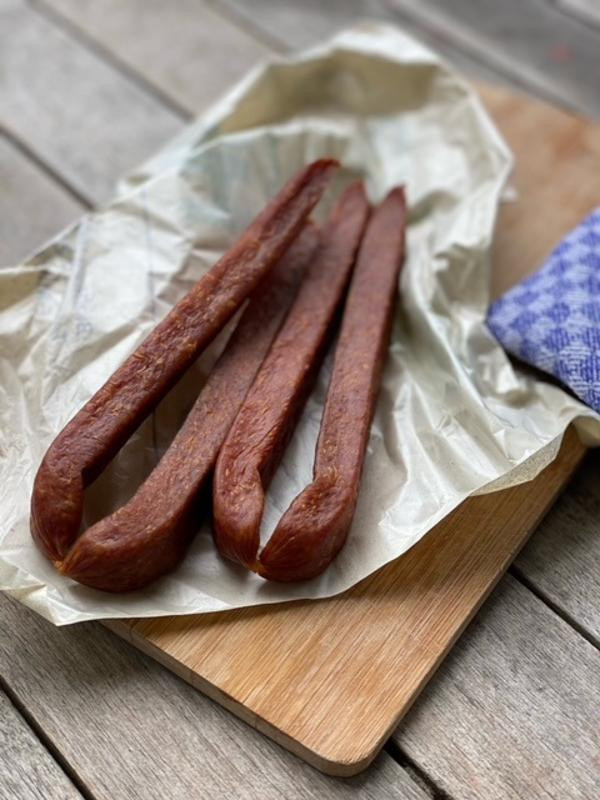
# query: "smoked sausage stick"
[[268, 415], [149, 535], [314, 528], [103, 425]]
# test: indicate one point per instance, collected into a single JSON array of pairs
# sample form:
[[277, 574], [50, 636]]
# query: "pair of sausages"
[[314, 528], [137, 544], [149, 535]]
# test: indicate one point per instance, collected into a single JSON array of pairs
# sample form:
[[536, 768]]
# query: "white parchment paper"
[[453, 416]]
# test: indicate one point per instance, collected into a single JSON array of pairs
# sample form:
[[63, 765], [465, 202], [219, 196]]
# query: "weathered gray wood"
[[585, 10], [296, 25], [513, 711], [27, 770], [304, 24], [526, 44], [185, 49], [77, 113], [531, 42], [562, 559], [223, 52], [32, 206], [131, 729]]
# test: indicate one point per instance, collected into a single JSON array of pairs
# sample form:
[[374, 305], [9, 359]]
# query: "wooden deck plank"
[[584, 10], [529, 44], [32, 206], [81, 116], [296, 25], [210, 53], [513, 711], [176, 74], [529, 41], [27, 770], [562, 559], [131, 729]]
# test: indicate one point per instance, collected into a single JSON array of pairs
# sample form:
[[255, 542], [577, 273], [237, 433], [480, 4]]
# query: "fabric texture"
[[551, 320]]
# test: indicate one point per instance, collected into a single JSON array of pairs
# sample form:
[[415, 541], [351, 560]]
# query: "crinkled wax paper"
[[453, 416]]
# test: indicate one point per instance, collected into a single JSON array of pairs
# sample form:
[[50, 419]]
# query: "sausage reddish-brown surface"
[[314, 528], [149, 535], [267, 417], [95, 434]]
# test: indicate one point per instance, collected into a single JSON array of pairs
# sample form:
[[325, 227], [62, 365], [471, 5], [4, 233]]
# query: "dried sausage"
[[149, 535], [95, 434], [314, 528], [267, 417]]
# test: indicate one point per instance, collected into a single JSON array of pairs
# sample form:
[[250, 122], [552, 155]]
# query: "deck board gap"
[[520, 75], [243, 23], [416, 772], [71, 29], [519, 575], [583, 12], [44, 167], [46, 741]]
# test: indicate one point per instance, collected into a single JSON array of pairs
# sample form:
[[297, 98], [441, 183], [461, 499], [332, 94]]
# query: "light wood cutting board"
[[330, 680]]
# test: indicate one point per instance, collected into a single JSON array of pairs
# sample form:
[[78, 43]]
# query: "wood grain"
[[562, 559], [584, 10], [210, 53], [361, 659], [525, 44], [80, 116], [295, 25], [529, 42], [267, 26], [26, 189], [132, 730], [330, 680], [27, 770], [513, 712]]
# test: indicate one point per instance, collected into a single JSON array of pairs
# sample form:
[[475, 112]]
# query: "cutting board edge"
[[503, 105], [325, 764], [334, 763]]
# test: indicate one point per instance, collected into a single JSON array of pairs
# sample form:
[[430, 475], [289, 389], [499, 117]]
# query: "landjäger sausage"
[[90, 440], [149, 535], [266, 420], [314, 528]]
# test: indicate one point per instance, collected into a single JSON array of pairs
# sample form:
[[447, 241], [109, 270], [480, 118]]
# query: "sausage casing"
[[149, 535], [267, 417], [314, 528], [101, 427]]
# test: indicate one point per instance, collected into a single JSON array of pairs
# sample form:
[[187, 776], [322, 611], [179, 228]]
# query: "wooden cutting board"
[[329, 680]]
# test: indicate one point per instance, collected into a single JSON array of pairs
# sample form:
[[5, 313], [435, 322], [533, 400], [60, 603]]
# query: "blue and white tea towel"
[[551, 320]]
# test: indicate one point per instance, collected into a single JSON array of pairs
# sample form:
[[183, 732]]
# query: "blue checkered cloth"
[[552, 319]]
